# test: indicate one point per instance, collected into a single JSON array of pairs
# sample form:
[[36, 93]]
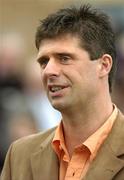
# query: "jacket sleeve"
[[6, 172]]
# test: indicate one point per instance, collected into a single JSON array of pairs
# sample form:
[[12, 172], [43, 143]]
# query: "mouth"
[[55, 89]]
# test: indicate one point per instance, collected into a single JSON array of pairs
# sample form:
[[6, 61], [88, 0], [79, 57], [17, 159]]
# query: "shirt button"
[[73, 174]]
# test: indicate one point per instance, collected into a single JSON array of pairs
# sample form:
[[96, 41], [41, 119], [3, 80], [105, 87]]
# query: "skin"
[[83, 99]]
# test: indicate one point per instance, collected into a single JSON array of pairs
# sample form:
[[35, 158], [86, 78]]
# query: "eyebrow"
[[64, 54], [56, 54]]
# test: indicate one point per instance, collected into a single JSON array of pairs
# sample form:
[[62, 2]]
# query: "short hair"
[[93, 28]]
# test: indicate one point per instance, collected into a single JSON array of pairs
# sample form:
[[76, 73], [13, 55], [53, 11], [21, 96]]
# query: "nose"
[[52, 69]]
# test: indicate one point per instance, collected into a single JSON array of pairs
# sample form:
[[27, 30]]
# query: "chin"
[[59, 106]]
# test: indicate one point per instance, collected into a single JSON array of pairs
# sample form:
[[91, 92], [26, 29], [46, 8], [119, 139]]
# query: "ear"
[[105, 65]]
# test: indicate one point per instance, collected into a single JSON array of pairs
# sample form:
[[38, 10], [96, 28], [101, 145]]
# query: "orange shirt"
[[76, 167]]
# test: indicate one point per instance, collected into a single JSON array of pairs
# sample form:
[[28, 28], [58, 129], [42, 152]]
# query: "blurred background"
[[24, 108]]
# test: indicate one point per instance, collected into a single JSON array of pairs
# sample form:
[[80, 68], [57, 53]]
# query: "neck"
[[79, 124]]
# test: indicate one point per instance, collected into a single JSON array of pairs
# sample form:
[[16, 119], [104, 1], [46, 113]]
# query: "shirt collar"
[[58, 142], [93, 142]]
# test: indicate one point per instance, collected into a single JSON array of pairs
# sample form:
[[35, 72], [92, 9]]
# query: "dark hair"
[[91, 26]]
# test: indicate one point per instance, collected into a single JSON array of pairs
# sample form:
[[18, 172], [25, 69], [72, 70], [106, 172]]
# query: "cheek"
[[43, 81], [86, 79]]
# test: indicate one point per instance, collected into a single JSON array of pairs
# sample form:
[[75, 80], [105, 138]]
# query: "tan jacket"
[[32, 158]]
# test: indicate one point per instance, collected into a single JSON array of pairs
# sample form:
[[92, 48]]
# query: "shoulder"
[[32, 143], [20, 153]]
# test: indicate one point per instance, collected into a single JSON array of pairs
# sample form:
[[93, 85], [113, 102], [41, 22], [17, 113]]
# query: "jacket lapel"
[[44, 163], [107, 163]]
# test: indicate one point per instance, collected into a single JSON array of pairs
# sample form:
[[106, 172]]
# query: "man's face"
[[69, 77]]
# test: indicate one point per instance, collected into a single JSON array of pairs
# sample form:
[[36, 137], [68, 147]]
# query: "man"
[[76, 53]]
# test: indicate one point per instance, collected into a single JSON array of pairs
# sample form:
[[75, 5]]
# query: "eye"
[[64, 59], [43, 62]]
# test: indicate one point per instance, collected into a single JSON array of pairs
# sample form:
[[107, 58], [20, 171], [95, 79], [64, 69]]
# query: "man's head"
[[93, 29]]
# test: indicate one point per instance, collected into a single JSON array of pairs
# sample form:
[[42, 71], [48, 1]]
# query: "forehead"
[[60, 44]]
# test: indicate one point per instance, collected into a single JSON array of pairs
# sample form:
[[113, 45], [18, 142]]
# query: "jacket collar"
[[108, 161]]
